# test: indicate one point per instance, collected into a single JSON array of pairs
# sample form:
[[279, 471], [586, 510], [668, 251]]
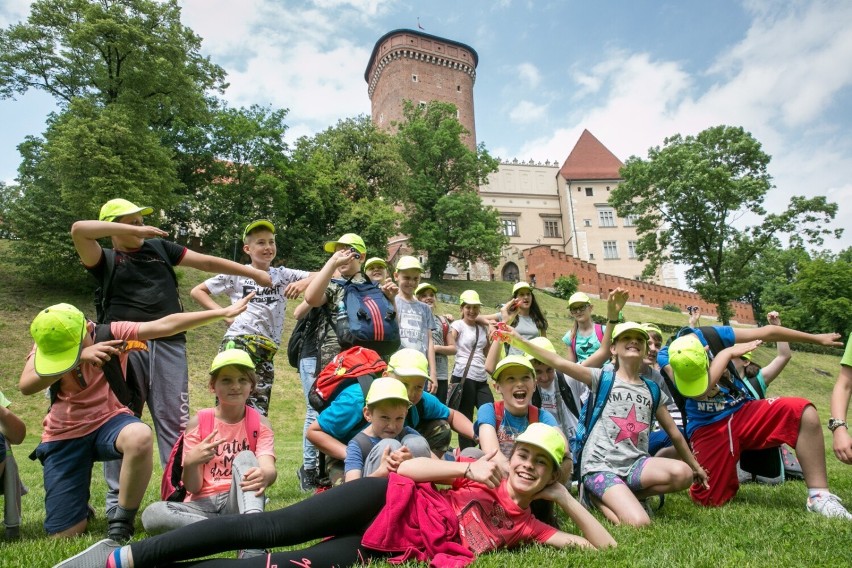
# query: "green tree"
[[690, 195], [443, 212]]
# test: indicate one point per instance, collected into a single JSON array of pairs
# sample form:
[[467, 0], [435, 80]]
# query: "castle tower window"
[[413, 78]]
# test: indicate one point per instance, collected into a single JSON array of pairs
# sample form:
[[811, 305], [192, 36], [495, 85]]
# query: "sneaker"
[[120, 531], [308, 479], [12, 533], [647, 506], [828, 505], [251, 553], [93, 557]]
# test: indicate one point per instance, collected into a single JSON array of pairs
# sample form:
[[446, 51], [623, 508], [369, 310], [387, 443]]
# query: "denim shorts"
[[68, 471]]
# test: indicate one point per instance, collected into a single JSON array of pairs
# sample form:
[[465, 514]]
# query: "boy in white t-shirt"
[[258, 330], [414, 317]]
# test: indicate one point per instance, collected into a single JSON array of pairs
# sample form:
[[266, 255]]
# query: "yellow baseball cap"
[[386, 388], [350, 239], [629, 326], [578, 298], [746, 356], [4, 402], [375, 260], [117, 208], [408, 263], [469, 297], [649, 327], [520, 286], [545, 437], [690, 365], [542, 342], [259, 223], [58, 332], [227, 357], [512, 361], [409, 363], [425, 286]]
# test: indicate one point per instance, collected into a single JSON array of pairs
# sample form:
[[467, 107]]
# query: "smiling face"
[[386, 418], [581, 312], [531, 469], [544, 374], [232, 385], [427, 296], [260, 247], [407, 280], [654, 344], [516, 384], [470, 313], [376, 273], [629, 346]]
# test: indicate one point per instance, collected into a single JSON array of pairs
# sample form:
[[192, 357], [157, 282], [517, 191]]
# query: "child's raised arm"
[[615, 303], [508, 334], [778, 333], [85, 235], [184, 321], [482, 470], [774, 368]]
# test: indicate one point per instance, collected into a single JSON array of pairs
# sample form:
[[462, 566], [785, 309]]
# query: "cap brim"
[[57, 363], [396, 398], [409, 372], [546, 450], [693, 388]]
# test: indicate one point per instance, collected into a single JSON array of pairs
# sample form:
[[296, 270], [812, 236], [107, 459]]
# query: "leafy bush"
[[672, 308], [565, 286]]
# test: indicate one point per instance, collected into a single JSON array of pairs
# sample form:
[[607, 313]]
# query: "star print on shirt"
[[629, 427]]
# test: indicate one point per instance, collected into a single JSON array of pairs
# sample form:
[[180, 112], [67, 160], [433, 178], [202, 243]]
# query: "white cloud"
[[529, 73], [14, 11], [525, 112]]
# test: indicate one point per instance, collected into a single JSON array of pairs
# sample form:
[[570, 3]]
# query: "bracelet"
[[467, 470], [612, 321]]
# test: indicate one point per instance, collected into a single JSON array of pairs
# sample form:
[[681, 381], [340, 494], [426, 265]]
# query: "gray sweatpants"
[[164, 516], [162, 377], [417, 445]]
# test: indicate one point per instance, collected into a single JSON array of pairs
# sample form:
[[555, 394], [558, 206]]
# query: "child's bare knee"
[[635, 519], [136, 440]]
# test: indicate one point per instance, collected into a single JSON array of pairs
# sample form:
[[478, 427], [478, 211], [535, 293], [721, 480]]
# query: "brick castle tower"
[[412, 65]]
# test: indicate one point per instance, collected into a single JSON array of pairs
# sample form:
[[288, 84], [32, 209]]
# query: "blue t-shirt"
[[703, 412], [510, 427], [355, 459], [433, 409]]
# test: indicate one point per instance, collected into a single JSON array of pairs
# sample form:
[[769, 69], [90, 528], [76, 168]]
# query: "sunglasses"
[[578, 309]]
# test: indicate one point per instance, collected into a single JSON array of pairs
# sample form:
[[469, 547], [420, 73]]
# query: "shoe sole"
[[70, 562]]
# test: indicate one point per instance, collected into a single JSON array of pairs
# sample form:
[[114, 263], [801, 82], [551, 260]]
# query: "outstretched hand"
[[615, 302], [740, 349], [829, 339], [237, 307], [149, 232]]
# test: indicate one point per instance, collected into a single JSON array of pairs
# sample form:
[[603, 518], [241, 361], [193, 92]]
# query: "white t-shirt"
[[464, 343]]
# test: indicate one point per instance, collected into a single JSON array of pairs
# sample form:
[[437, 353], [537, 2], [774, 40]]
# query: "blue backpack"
[[366, 318], [596, 402]]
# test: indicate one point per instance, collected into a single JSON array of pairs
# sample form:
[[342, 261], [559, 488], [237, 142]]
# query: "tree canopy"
[[690, 198]]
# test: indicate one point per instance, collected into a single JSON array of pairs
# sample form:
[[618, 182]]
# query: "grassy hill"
[[764, 525]]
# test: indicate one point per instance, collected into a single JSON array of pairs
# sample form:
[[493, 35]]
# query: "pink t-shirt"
[[217, 472], [489, 519], [78, 410]]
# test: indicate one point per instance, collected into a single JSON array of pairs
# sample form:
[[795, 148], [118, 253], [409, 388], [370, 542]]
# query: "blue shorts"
[[597, 482], [658, 439], [68, 471]]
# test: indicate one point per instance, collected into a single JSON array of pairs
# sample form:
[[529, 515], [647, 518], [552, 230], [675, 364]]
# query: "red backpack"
[[500, 409], [356, 364], [171, 486]]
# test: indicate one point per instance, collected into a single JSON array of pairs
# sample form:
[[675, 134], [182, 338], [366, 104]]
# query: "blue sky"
[[632, 72]]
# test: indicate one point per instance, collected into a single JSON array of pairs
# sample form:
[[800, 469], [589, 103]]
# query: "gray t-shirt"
[[620, 436], [551, 401], [527, 329], [442, 363], [265, 313], [464, 345], [415, 324]]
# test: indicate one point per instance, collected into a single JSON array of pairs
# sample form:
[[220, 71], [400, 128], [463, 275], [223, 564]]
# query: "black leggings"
[[344, 512], [474, 394]]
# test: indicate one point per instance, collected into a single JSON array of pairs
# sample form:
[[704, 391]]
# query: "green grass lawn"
[[763, 526]]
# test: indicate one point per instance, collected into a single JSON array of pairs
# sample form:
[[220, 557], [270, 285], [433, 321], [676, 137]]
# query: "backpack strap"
[[566, 394], [365, 444], [532, 414], [499, 410], [599, 331], [113, 372], [445, 327], [252, 421], [656, 396], [206, 419], [109, 270]]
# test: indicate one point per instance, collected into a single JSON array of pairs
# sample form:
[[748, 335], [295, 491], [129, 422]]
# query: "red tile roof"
[[590, 160]]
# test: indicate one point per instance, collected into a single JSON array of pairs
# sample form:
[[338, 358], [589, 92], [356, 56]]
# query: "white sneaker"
[[828, 505], [93, 557]]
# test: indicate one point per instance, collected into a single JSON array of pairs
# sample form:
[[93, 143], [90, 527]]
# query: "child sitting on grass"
[[221, 474], [402, 516], [379, 448]]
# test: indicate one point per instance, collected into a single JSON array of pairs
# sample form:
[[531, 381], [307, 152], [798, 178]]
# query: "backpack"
[[500, 411], [297, 337], [356, 364], [365, 317], [102, 292], [124, 391], [594, 406], [599, 331], [171, 486]]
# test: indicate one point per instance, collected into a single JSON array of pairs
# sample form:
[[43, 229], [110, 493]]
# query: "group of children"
[[393, 431]]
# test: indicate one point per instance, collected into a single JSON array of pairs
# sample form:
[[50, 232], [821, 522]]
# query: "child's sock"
[[814, 492], [119, 558]]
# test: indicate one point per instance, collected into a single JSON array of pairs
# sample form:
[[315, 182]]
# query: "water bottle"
[[342, 324]]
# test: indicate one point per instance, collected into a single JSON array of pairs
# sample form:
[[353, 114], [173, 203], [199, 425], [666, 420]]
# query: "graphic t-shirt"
[[265, 313], [217, 472], [586, 344], [415, 324], [489, 519], [551, 401], [511, 427], [620, 436]]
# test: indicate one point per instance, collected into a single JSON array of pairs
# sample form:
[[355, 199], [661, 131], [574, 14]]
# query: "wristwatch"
[[835, 423]]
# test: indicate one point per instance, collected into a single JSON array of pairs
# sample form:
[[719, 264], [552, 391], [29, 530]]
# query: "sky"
[[631, 72]]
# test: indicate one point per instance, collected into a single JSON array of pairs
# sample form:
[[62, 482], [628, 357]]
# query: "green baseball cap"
[[690, 365], [408, 263], [409, 363], [259, 223], [117, 208], [350, 239], [387, 388], [424, 286], [545, 437], [236, 357], [520, 286], [512, 361], [58, 332], [469, 297]]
